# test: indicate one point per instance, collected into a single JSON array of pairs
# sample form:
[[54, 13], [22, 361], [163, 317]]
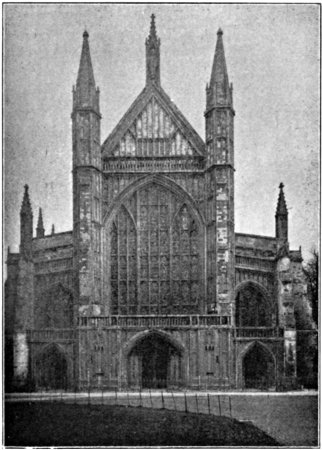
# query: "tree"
[[311, 270]]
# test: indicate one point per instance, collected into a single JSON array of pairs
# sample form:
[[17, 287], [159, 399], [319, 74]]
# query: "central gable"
[[153, 127]]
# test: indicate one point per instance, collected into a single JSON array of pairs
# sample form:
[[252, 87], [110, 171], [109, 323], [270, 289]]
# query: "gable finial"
[[281, 220], [153, 31], [152, 50]]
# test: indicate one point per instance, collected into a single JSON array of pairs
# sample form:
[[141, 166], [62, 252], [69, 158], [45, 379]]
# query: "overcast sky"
[[272, 53]]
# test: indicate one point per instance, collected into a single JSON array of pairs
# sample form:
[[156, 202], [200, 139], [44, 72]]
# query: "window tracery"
[[252, 308], [155, 262]]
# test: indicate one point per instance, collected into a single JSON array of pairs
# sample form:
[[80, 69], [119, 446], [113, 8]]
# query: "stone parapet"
[[155, 321]]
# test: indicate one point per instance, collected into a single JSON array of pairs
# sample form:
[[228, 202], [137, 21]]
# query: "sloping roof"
[[138, 106]]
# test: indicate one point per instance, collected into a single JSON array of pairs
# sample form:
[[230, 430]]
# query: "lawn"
[[61, 424]]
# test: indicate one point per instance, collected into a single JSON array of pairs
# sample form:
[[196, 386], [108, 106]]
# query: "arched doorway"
[[258, 368], [51, 369], [154, 363]]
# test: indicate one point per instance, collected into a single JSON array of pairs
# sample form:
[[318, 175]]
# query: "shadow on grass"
[[60, 424]]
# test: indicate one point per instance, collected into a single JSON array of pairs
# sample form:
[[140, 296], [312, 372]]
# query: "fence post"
[[219, 405], [197, 403], [175, 407], [162, 398], [115, 396], [230, 407], [140, 398], [185, 403], [208, 403], [151, 399], [128, 399]]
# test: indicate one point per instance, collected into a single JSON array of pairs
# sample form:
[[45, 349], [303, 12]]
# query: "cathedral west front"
[[153, 287]]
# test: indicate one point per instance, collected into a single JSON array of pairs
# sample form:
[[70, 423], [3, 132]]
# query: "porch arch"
[[154, 359], [257, 366], [51, 367]]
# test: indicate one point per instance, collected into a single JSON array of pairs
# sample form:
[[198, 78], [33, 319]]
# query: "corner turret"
[[87, 182], [219, 92], [219, 117], [86, 95]]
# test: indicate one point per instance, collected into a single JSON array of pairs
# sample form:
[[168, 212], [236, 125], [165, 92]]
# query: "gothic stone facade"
[[153, 287]]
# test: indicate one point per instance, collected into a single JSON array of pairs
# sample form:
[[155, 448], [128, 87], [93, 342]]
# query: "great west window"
[[155, 255]]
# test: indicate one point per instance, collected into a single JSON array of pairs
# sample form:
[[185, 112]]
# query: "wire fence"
[[187, 401]]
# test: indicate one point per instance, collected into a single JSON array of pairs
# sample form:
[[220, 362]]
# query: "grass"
[[61, 424]]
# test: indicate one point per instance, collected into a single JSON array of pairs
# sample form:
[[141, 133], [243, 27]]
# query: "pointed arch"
[[253, 305], [154, 359], [258, 366], [169, 264], [137, 338], [252, 344], [145, 181], [51, 367], [123, 259]]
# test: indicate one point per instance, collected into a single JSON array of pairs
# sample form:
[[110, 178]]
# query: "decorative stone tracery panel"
[[153, 133], [253, 309], [155, 255]]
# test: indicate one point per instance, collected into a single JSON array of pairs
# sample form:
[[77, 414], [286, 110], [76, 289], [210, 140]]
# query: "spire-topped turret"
[[281, 204], [26, 225], [26, 205], [219, 93], [281, 216], [86, 95], [152, 50], [40, 230]]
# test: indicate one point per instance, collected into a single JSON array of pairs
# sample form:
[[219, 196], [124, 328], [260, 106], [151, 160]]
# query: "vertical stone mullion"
[[127, 266], [138, 251], [149, 255], [170, 246], [159, 254], [118, 262]]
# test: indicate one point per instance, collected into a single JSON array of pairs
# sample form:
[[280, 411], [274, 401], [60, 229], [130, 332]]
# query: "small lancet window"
[[185, 218]]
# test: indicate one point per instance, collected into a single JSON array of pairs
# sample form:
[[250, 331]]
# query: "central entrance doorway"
[[154, 363]]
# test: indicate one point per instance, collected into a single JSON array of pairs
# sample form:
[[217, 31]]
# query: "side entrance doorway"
[[51, 369], [154, 363], [258, 368]]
